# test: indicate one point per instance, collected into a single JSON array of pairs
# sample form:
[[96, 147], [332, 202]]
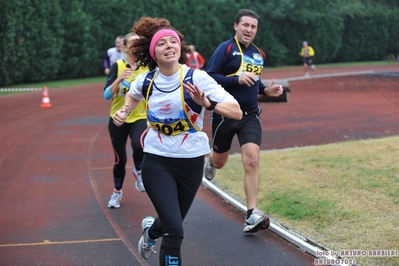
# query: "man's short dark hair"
[[246, 13]]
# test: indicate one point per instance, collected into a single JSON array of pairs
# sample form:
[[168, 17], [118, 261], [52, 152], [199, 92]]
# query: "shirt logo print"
[[165, 108]]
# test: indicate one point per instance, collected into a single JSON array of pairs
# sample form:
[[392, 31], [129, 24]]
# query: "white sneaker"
[[115, 200], [313, 67], [263, 225], [210, 171], [146, 247], [307, 75], [256, 217], [139, 181]]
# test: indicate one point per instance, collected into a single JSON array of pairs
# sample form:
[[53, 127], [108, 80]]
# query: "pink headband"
[[160, 34]]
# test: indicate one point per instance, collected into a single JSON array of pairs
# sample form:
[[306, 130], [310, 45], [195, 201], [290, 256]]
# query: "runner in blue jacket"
[[237, 65]]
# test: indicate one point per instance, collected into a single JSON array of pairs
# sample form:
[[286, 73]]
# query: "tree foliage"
[[54, 39]]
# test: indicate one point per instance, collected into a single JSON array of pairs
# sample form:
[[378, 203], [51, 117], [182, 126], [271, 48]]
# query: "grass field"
[[344, 196], [56, 84], [61, 83]]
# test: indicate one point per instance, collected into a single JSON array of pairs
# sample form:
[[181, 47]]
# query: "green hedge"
[[56, 39]]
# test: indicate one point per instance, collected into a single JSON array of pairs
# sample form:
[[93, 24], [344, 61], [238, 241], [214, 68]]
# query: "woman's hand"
[[126, 74], [197, 95], [121, 115]]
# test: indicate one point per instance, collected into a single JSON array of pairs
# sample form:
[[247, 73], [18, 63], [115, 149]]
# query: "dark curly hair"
[[146, 27]]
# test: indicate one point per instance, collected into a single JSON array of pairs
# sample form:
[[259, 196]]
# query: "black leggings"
[[171, 184], [119, 137]]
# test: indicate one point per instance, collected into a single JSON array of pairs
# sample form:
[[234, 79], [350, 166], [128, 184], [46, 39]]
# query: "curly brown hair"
[[146, 27]]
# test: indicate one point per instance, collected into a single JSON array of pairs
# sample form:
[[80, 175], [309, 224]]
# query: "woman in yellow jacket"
[[121, 74], [307, 53]]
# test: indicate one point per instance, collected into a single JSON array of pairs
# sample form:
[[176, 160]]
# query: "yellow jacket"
[[119, 98], [309, 52]]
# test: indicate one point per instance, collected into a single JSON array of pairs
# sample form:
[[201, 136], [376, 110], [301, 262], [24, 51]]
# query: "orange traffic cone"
[[46, 98]]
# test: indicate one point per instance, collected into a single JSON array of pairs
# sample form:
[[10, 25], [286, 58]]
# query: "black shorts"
[[248, 130], [308, 61]]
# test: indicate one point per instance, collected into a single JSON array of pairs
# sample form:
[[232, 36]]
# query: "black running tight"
[[171, 184], [119, 137], [169, 256]]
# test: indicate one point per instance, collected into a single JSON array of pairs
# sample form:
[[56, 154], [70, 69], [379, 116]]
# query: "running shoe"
[[146, 247], [210, 171], [115, 200], [313, 67], [307, 75], [256, 217], [139, 180], [263, 225]]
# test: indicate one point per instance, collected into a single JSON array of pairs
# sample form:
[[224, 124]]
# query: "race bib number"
[[124, 88], [256, 69], [171, 129]]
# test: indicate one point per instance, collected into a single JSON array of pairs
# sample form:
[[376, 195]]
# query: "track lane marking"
[[132, 248], [49, 242]]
